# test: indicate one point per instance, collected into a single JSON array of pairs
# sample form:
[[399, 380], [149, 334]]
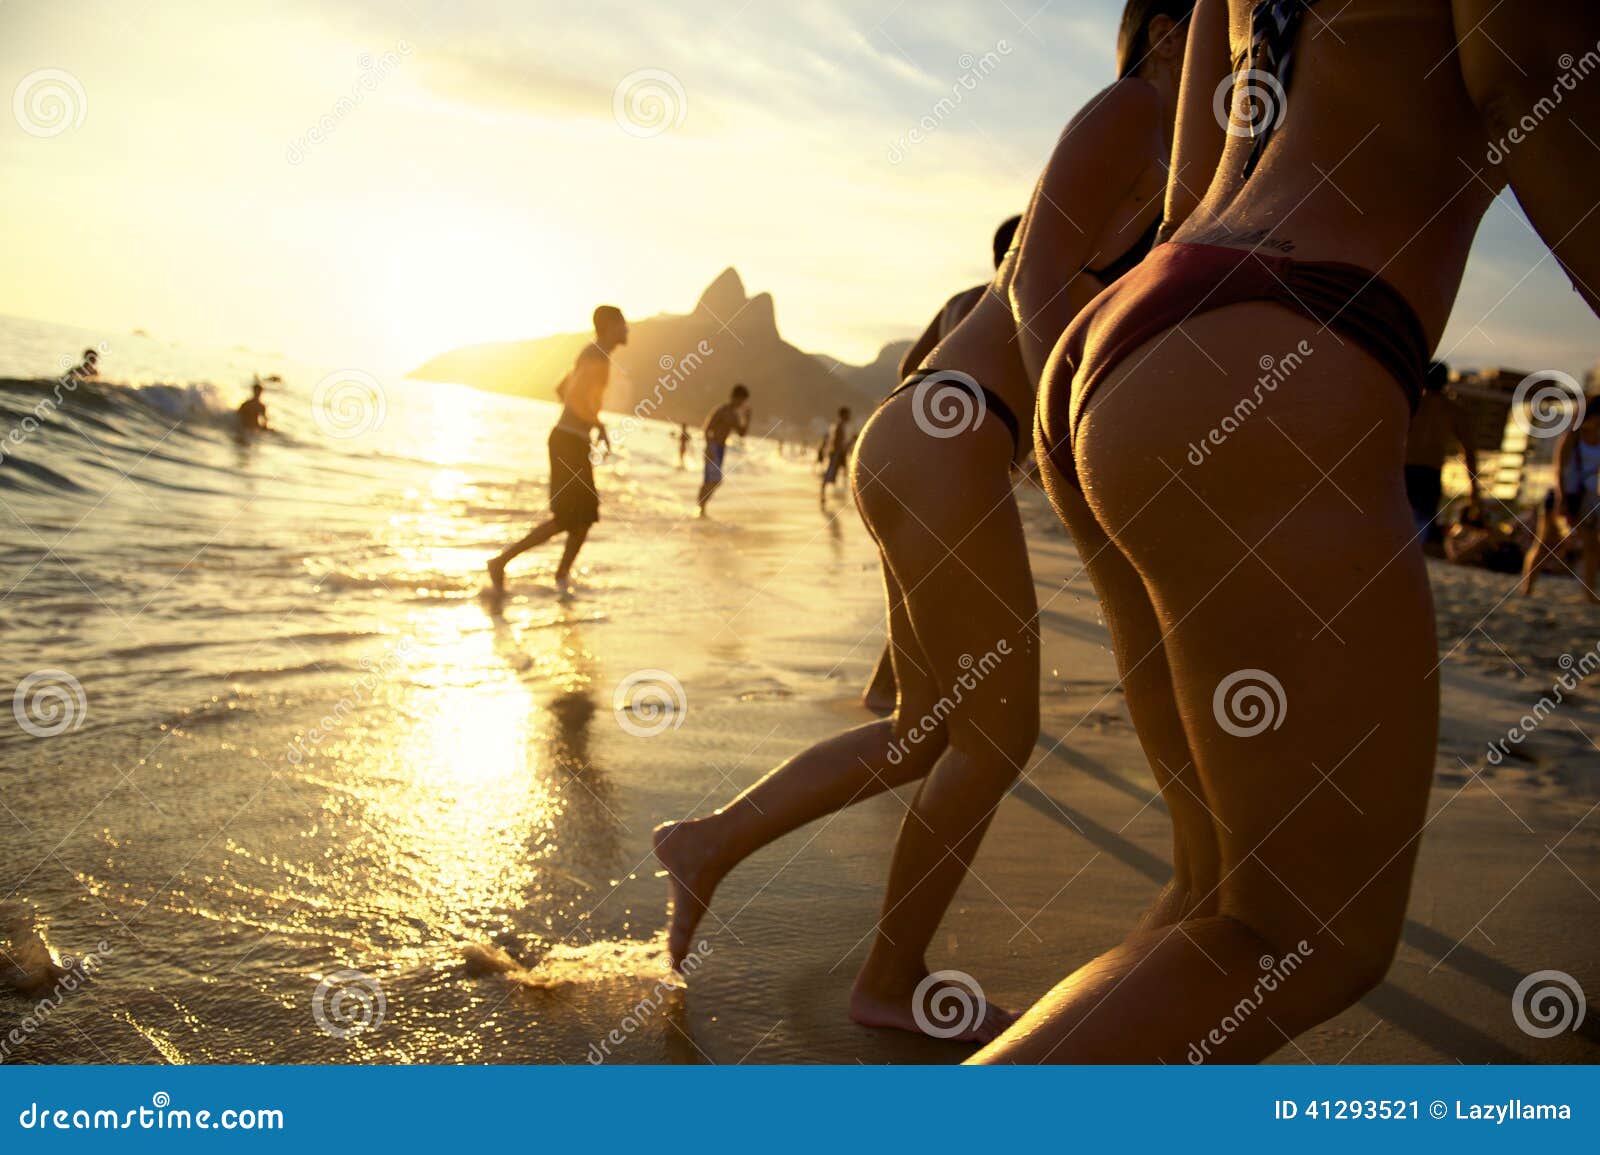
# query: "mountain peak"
[[724, 296]]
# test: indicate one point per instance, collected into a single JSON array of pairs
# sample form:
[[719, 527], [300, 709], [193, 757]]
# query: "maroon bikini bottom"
[[1178, 281]]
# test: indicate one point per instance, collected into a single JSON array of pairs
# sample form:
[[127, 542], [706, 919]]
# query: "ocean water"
[[276, 773]]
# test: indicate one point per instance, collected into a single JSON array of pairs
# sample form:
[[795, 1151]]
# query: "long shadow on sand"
[[1417, 1017]]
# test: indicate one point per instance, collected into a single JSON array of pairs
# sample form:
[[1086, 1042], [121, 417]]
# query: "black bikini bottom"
[[943, 412]]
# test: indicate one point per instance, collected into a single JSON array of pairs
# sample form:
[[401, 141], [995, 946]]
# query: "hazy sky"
[[472, 180]]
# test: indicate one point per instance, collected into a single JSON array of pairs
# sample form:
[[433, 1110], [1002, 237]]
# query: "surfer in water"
[[252, 415], [574, 501], [88, 367]]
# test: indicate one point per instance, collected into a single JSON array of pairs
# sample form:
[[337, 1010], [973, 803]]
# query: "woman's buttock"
[[1248, 400]]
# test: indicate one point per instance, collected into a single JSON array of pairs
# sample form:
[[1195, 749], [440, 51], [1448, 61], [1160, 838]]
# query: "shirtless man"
[[574, 501], [252, 415], [1438, 424], [733, 416], [88, 367]]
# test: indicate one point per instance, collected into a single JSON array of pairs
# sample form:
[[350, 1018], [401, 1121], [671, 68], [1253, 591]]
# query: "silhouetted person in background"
[[252, 415], [729, 418], [574, 501], [88, 367], [683, 443], [836, 449]]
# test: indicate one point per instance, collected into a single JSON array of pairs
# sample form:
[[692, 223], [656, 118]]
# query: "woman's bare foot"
[[685, 851], [944, 1005], [497, 574]]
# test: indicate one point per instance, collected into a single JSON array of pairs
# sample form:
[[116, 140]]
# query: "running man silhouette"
[[574, 501]]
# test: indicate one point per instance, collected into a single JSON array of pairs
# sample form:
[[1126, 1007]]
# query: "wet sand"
[[475, 837]]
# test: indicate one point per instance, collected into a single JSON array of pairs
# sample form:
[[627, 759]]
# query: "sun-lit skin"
[[483, 190]]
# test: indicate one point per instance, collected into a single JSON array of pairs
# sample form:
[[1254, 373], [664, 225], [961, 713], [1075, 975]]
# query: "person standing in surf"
[[574, 501], [727, 419], [252, 415], [836, 450]]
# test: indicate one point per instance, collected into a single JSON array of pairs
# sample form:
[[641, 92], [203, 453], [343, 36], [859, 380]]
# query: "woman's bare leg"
[[879, 694], [1264, 574], [954, 540], [1146, 679], [835, 773]]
